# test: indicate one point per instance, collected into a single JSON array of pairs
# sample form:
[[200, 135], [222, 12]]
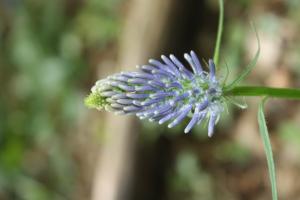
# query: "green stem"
[[288, 93], [219, 34]]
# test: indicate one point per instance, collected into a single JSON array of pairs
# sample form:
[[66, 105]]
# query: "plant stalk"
[[288, 93], [219, 34]]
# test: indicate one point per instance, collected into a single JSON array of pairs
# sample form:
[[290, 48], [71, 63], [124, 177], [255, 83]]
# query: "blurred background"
[[52, 147]]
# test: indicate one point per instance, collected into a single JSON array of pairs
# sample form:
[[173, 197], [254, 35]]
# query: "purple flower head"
[[164, 91]]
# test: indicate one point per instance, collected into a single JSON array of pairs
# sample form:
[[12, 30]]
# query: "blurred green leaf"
[[232, 152], [45, 57], [289, 131]]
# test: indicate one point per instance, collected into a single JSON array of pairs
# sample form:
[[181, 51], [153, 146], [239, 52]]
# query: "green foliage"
[[43, 68], [288, 131], [230, 151], [189, 180]]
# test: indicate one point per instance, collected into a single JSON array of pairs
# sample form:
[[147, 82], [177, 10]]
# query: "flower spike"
[[163, 91]]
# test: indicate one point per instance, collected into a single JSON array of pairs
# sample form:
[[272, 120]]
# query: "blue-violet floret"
[[164, 91]]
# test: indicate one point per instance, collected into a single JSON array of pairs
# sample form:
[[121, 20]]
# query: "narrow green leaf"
[[248, 68], [226, 76], [267, 146], [219, 34]]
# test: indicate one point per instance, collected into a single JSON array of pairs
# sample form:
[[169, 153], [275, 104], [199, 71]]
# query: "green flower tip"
[[95, 100]]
